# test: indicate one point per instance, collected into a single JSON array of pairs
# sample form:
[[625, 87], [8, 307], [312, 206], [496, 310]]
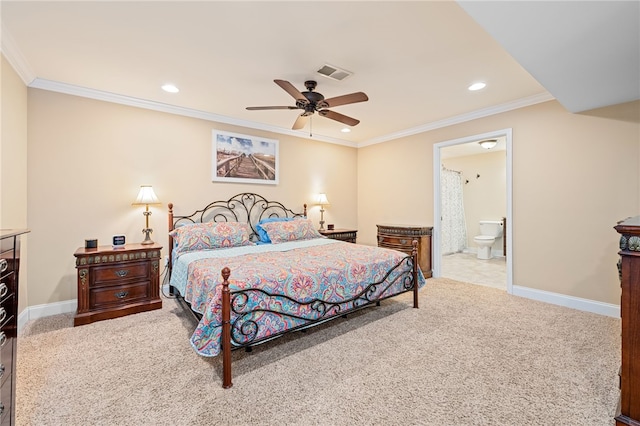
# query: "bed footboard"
[[243, 330]]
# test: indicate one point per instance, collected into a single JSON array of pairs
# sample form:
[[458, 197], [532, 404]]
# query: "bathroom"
[[479, 173]]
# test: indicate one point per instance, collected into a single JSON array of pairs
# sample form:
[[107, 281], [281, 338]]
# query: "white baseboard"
[[578, 303], [47, 310]]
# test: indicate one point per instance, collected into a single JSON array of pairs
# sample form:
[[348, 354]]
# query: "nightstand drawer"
[[395, 242], [108, 275], [118, 295]]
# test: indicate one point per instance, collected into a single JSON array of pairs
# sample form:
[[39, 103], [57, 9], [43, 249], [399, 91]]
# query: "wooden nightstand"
[[117, 282], [400, 237], [348, 235]]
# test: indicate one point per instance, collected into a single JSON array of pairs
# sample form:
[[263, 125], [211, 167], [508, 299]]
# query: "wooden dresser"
[[117, 282], [9, 273], [629, 268], [400, 237]]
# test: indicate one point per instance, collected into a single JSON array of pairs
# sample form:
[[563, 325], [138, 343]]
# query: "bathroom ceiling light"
[[477, 86], [488, 143], [170, 88]]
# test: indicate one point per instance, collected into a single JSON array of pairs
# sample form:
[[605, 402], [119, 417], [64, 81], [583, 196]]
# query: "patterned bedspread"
[[310, 272]]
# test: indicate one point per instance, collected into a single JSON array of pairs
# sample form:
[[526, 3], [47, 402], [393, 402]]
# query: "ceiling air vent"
[[334, 73]]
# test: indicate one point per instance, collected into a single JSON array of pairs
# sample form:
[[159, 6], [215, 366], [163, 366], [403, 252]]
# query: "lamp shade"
[[322, 199], [146, 196]]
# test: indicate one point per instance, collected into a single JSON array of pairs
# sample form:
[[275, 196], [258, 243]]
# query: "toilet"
[[489, 231]]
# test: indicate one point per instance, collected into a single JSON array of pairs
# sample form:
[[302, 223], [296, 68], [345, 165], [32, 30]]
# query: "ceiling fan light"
[[488, 144], [345, 130]]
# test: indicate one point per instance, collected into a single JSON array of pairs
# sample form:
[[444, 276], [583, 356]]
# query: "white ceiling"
[[413, 59]]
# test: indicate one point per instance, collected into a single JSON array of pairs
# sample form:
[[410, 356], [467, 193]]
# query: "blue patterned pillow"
[[210, 235], [262, 234], [295, 230]]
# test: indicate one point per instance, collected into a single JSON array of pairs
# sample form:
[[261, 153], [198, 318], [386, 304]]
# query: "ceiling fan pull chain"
[[310, 126]]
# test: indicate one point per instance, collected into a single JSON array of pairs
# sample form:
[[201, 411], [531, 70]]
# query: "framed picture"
[[244, 159]]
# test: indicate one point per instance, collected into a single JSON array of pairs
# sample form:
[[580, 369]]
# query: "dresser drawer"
[[7, 286], [6, 359], [118, 295], [6, 267], [6, 402], [114, 275], [7, 315]]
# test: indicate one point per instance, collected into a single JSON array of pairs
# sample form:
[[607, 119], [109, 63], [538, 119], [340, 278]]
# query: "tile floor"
[[468, 268]]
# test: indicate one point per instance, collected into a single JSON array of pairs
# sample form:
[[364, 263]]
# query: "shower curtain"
[[453, 230]]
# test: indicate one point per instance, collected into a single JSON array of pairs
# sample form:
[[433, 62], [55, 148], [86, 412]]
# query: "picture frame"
[[244, 159]]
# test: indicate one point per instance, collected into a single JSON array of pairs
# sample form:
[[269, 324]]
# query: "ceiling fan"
[[311, 102]]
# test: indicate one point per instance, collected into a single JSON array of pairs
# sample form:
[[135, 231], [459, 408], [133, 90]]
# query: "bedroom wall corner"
[[13, 164]]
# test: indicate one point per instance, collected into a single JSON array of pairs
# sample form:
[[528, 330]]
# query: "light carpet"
[[471, 355]]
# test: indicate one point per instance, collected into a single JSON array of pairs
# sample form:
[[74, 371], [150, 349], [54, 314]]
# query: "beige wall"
[[484, 197], [574, 176], [13, 164], [88, 158]]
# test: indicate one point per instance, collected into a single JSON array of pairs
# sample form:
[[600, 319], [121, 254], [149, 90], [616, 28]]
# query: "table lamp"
[[145, 197], [322, 201]]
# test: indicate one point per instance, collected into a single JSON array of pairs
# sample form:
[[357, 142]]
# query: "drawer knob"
[[3, 314], [3, 290], [121, 294], [3, 338], [122, 273], [3, 265]]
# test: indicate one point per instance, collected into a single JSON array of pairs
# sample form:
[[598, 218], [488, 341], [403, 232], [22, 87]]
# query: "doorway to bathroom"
[[472, 186]]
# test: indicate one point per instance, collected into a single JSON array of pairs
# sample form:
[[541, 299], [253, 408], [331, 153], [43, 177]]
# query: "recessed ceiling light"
[[477, 86], [345, 130], [170, 88]]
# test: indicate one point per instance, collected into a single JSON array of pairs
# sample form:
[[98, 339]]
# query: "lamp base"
[[147, 236], [321, 219]]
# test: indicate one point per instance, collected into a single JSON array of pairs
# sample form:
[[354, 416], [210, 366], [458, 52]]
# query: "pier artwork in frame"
[[244, 159]]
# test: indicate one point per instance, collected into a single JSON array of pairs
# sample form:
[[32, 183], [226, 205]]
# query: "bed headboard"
[[246, 207]]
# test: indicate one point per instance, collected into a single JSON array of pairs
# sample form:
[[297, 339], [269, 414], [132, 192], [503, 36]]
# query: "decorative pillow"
[[262, 233], [295, 230], [210, 235]]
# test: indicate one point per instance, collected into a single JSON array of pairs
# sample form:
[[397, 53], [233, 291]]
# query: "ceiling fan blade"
[[270, 107], [351, 98], [338, 117], [290, 89], [301, 121]]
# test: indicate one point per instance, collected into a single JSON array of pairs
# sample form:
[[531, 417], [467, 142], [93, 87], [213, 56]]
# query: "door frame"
[[437, 208]]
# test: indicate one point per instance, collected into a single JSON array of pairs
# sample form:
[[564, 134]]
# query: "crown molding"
[[14, 56], [70, 89], [481, 113], [100, 95]]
